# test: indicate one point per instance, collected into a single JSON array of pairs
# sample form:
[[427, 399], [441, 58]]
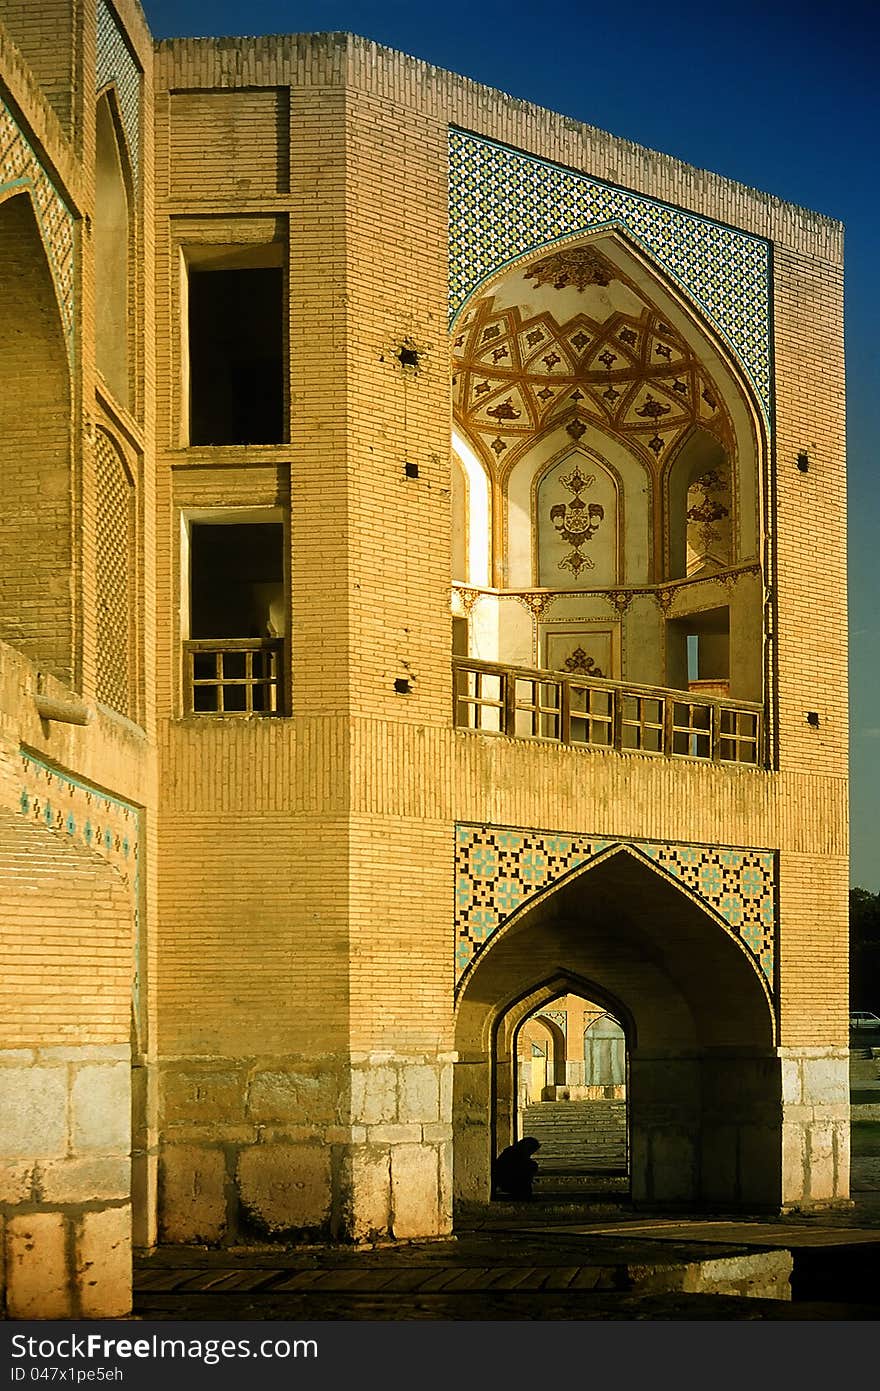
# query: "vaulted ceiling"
[[572, 341]]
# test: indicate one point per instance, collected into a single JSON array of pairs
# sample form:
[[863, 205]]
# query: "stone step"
[[577, 1135]]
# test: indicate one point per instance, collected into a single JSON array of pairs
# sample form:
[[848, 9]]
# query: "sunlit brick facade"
[[423, 573]]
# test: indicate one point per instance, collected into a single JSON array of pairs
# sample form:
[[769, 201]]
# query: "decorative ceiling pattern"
[[503, 204], [625, 369]]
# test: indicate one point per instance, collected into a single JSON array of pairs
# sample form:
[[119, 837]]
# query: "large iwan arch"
[[705, 1080]]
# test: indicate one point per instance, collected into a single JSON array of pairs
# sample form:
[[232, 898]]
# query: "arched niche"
[[112, 243], [471, 516], [575, 524], [620, 548], [591, 325], [36, 583], [701, 523]]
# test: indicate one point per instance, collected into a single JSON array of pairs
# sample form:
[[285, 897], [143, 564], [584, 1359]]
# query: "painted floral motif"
[[580, 266], [577, 521]]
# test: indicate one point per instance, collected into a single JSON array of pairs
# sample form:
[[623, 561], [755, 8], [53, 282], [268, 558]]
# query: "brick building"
[[423, 600]]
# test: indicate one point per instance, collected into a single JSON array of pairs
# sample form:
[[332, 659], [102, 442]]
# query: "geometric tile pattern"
[[557, 1016], [503, 204], [116, 65], [113, 574], [497, 869], [21, 170], [105, 825]]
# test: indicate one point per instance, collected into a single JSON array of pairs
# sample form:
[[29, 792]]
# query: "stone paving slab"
[[534, 1266], [766, 1235], [537, 1306]]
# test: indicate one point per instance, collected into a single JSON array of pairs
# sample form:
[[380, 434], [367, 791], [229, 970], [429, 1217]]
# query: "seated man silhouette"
[[514, 1170]]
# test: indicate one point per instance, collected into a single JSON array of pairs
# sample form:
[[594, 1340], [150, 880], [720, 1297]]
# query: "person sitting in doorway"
[[514, 1170]]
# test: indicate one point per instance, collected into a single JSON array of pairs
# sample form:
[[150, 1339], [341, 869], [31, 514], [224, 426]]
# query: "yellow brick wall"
[[367, 225], [68, 943], [45, 35]]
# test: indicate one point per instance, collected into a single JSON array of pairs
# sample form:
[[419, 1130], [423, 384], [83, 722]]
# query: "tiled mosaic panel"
[[116, 65], [21, 171], [115, 518], [497, 870], [503, 203], [103, 824], [558, 1016]]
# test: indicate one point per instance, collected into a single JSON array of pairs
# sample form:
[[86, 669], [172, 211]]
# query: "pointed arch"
[[36, 610], [695, 1009], [113, 231]]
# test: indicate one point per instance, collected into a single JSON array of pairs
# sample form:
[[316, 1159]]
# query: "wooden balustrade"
[[233, 676], [599, 714]]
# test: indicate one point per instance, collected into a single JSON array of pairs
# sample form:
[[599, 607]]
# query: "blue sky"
[[781, 96]]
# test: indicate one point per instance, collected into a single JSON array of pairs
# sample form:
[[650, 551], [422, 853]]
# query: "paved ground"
[[552, 1260], [533, 1265]]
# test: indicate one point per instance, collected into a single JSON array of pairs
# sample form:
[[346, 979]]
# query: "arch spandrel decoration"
[[504, 203], [498, 869], [116, 66], [21, 171]]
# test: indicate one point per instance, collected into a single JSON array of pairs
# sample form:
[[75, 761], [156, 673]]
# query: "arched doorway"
[[570, 1058], [704, 1085]]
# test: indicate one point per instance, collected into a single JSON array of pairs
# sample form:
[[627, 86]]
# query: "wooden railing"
[[233, 676], [546, 705]]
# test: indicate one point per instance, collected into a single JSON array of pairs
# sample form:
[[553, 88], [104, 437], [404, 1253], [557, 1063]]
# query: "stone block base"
[[306, 1149], [65, 1182]]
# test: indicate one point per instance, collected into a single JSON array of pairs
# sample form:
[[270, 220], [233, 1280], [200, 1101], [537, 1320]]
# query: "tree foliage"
[[864, 949]]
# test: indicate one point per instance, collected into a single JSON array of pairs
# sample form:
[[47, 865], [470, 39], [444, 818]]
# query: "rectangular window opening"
[[236, 349], [234, 656], [698, 652]]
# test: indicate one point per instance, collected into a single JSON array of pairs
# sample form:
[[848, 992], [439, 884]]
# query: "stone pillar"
[[665, 1097], [741, 1155], [65, 1144], [306, 1149], [815, 1127], [473, 1131], [397, 1179]]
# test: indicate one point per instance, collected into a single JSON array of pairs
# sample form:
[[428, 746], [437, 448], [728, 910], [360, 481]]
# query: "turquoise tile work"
[[116, 65], [737, 885], [98, 822], [503, 204], [21, 172]]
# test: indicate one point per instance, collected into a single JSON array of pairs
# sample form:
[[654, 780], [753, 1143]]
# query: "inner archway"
[[570, 1058], [704, 1080]]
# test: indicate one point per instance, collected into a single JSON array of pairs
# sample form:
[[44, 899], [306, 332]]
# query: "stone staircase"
[[578, 1137]]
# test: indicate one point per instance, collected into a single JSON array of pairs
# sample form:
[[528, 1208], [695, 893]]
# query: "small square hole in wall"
[[411, 470], [407, 356], [402, 686]]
